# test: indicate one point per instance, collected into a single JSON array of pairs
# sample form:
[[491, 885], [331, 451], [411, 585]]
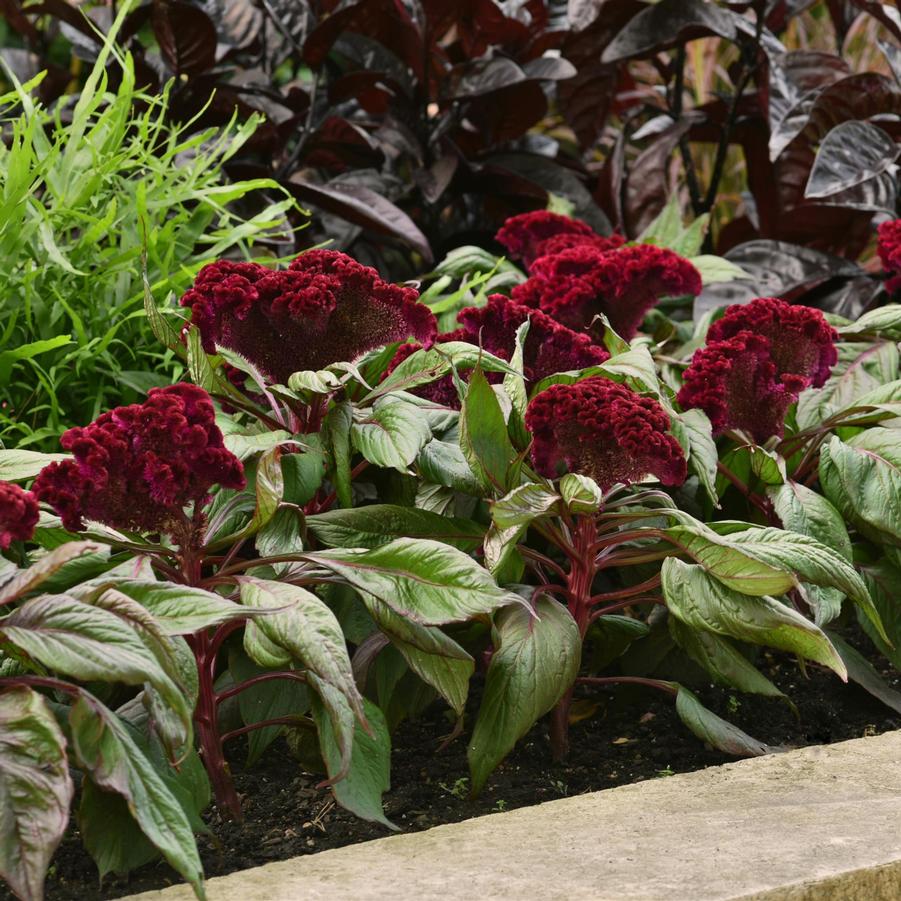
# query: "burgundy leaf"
[[363, 207], [186, 36]]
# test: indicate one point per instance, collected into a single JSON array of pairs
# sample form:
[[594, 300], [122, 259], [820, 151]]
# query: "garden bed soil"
[[626, 736]]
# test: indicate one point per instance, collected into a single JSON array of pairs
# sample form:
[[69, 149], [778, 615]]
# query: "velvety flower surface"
[[889, 248], [325, 308], [549, 346], [18, 514], [137, 467], [737, 384], [801, 340], [565, 241], [524, 235], [576, 285], [603, 430]]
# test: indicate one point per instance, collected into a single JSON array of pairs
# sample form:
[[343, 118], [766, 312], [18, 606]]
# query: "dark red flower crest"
[[801, 340], [603, 430], [737, 384], [137, 467], [325, 308], [524, 235], [576, 285], [18, 514], [559, 243], [549, 347], [889, 248]]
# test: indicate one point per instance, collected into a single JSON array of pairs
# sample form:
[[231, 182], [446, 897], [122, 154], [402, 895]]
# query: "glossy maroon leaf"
[[668, 23], [63, 11], [887, 14], [12, 12], [186, 37], [484, 76], [363, 207]]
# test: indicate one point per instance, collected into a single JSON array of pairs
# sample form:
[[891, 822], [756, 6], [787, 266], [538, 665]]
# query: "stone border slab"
[[816, 824]]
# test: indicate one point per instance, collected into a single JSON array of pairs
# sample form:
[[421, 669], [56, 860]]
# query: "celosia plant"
[[603, 430], [576, 285], [525, 235], [736, 383], [18, 514], [549, 346], [759, 357], [801, 341], [139, 467], [325, 308], [889, 247]]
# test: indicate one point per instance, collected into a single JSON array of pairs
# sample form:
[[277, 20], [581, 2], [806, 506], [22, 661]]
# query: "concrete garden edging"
[[815, 824]]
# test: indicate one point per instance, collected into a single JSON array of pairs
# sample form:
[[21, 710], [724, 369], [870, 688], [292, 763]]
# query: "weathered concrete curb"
[[817, 824]]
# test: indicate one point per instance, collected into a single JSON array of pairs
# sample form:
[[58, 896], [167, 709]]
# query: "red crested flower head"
[[18, 514], [737, 384], [889, 248], [801, 340], [524, 235], [576, 285], [549, 347], [137, 467], [325, 308], [565, 241], [603, 430]]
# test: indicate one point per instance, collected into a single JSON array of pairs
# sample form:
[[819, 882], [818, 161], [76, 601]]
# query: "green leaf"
[[303, 473], [27, 580], [863, 480], [861, 671], [714, 730], [19, 465], [443, 463], [883, 321], [701, 602], [804, 511], [179, 609], [35, 789], [391, 434], [515, 388], [436, 658], [693, 431], [717, 269], [305, 627], [429, 582], [89, 644], [336, 437], [244, 446], [581, 494], [722, 660], [884, 582], [535, 661], [102, 745], [483, 434], [378, 524], [360, 790], [524, 505]]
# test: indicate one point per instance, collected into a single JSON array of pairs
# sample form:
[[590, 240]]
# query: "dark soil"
[[626, 736]]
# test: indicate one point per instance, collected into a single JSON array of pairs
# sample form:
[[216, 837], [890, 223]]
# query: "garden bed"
[[631, 737]]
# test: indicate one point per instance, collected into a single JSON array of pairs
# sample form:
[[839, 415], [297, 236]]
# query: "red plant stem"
[[256, 680], [640, 588], [275, 721], [623, 537], [333, 496], [42, 682], [752, 498], [209, 737], [538, 557], [612, 608], [581, 575], [631, 680]]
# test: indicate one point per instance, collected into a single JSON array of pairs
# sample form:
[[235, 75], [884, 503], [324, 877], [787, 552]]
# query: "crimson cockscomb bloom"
[[549, 346], [576, 285], [889, 248], [565, 241], [18, 514], [137, 467], [603, 430], [525, 235], [801, 340], [737, 384], [325, 308]]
